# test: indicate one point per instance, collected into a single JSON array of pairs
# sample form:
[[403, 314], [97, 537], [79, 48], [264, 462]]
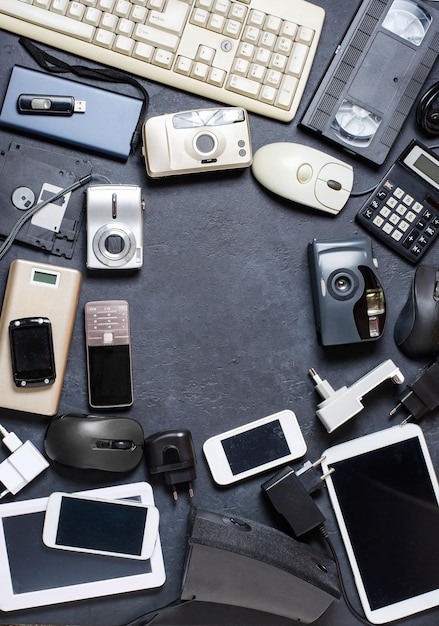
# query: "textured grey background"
[[222, 327]]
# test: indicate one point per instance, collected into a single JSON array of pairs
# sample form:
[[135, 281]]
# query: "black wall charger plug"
[[290, 492], [422, 396], [172, 453]]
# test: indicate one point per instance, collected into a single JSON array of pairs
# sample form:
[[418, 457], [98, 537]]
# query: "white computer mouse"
[[304, 175]]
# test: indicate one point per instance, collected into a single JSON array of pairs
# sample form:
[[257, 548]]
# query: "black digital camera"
[[349, 301]]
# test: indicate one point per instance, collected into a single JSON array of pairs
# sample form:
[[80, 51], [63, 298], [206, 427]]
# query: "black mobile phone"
[[32, 357], [108, 344]]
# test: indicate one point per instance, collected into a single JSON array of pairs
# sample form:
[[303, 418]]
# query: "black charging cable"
[[427, 111]]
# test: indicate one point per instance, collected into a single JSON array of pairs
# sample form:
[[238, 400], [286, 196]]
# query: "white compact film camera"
[[197, 141], [114, 227]]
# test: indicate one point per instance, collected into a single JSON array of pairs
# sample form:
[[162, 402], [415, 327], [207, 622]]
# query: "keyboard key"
[[173, 19], [155, 37], [244, 86]]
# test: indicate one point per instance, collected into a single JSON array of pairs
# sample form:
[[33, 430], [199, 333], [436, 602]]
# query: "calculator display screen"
[[428, 167]]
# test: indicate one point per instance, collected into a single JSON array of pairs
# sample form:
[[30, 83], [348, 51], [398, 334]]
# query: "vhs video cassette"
[[375, 76]]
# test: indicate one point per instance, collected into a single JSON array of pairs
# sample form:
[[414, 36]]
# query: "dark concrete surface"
[[222, 329]]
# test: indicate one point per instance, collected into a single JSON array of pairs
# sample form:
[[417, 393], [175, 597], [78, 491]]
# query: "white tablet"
[[34, 575], [385, 495]]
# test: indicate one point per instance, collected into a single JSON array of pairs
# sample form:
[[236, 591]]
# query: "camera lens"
[[205, 143], [114, 244], [342, 284]]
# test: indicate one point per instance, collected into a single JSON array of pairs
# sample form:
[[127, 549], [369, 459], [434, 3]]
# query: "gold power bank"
[[38, 290]]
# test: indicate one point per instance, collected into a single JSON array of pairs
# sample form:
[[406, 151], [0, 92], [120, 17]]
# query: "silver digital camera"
[[349, 301], [197, 141], [114, 227]]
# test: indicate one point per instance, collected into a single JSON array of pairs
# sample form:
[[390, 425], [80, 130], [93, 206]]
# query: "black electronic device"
[[30, 175], [348, 298], [246, 564], [375, 76], [32, 356], [416, 329], [113, 444], [403, 211], [108, 344]]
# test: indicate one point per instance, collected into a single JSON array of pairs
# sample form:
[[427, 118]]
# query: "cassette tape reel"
[[375, 76]]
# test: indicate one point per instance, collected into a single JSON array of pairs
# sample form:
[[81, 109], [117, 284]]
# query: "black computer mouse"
[[416, 330], [113, 444]]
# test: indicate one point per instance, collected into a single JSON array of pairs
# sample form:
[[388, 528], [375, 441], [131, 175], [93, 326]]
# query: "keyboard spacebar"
[[41, 17]]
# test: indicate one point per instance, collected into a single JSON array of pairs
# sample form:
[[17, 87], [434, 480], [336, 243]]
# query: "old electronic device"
[[240, 562], [108, 443], [36, 290], [64, 576], [385, 496], [32, 358], [108, 345], [255, 447], [348, 298], [197, 141], [29, 176], [403, 211], [416, 331], [36, 102], [304, 175], [375, 76], [114, 227], [120, 528], [48, 104]]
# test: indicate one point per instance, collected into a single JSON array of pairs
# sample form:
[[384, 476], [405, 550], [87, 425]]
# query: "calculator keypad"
[[407, 224]]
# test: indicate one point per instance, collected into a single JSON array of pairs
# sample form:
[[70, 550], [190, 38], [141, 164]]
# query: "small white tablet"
[[254, 448], [34, 575], [385, 496], [121, 528]]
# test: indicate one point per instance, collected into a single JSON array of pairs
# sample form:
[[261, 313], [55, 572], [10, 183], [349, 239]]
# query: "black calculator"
[[403, 211]]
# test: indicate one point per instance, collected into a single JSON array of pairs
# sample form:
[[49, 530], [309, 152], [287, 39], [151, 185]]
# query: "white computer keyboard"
[[256, 54]]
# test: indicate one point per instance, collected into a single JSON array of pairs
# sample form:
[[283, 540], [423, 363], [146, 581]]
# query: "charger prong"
[[395, 409], [330, 471], [319, 461]]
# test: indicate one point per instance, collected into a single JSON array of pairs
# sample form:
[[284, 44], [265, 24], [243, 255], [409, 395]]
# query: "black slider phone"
[[32, 357], [108, 345]]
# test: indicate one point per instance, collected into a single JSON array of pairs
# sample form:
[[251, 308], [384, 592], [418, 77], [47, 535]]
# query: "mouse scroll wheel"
[[334, 184], [111, 444]]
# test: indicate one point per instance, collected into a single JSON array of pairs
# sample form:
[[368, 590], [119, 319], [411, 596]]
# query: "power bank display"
[[107, 125]]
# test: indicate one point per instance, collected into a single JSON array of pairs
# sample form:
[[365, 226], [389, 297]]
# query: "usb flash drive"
[[41, 104]]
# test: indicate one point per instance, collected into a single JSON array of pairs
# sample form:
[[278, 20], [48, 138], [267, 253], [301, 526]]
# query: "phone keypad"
[[405, 223], [107, 322]]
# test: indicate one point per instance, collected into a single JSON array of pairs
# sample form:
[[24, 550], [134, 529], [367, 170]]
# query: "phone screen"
[[110, 375], [392, 517], [255, 447], [103, 526]]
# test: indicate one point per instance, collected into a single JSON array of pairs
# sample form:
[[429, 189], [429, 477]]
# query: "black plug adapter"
[[290, 492], [172, 453], [422, 396]]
